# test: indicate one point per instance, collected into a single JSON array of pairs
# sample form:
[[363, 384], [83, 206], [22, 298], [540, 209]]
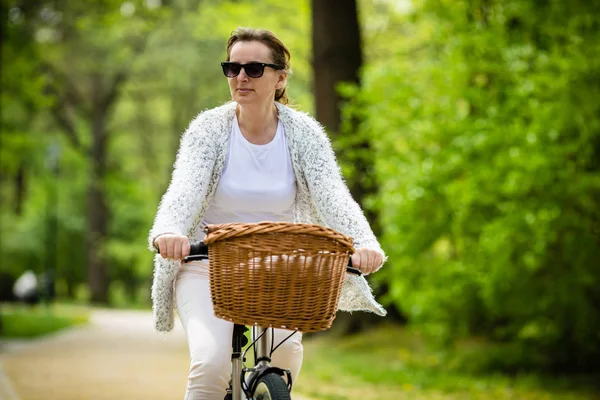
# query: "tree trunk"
[[337, 55], [70, 283], [98, 213], [104, 100], [20, 189]]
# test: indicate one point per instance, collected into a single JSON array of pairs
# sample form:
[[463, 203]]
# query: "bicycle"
[[311, 259]]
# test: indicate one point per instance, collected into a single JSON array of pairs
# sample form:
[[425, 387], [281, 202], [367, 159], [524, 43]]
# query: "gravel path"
[[118, 356]]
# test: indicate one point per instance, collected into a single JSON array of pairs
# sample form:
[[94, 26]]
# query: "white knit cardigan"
[[322, 198]]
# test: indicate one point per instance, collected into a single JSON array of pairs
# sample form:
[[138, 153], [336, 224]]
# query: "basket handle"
[[227, 231]]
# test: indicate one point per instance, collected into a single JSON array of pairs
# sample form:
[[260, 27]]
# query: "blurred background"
[[469, 131]]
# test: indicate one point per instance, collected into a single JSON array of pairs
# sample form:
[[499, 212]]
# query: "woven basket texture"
[[277, 274]]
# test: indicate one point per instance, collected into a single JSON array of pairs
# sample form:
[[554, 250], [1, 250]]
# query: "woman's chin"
[[246, 99], [237, 96]]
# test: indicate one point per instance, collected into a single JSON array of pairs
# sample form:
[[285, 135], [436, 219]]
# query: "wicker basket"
[[277, 274]]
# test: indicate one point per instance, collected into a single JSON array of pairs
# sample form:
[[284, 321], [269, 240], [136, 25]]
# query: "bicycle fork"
[[237, 362], [243, 381]]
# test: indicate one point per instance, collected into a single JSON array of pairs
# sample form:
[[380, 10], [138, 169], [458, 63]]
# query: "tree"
[[114, 84], [488, 157], [337, 56], [22, 97], [337, 63], [91, 48]]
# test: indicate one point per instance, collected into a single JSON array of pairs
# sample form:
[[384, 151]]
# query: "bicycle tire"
[[271, 387]]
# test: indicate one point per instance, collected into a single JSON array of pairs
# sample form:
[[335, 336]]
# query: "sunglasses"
[[253, 69]]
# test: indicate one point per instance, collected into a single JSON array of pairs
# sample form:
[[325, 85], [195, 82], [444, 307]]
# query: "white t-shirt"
[[257, 183]]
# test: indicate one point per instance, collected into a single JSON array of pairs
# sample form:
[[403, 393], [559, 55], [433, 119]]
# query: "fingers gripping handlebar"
[[199, 251]]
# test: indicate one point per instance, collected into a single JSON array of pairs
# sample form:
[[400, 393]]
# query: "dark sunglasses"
[[253, 69]]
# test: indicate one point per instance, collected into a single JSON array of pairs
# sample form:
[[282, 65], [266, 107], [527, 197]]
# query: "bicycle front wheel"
[[271, 387]]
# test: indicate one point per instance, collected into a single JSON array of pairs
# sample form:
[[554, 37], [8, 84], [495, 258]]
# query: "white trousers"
[[209, 338]]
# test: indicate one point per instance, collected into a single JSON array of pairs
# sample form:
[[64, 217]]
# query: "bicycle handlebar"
[[199, 252], [198, 249]]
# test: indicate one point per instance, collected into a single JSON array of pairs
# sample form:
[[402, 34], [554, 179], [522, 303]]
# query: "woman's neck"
[[257, 123]]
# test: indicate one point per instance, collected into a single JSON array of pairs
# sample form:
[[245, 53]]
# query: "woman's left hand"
[[367, 260]]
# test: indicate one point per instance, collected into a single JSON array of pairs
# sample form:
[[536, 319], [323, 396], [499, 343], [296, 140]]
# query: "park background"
[[469, 131]]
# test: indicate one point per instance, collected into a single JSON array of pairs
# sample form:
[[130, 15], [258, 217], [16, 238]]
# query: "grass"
[[23, 322], [393, 363]]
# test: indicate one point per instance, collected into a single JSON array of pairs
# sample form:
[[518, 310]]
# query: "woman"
[[253, 159]]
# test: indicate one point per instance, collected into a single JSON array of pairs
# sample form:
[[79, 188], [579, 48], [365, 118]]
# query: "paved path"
[[118, 356]]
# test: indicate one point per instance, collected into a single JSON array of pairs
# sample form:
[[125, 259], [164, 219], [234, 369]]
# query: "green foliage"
[[58, 61], [487, 143], [483, 122], [396, 363], [26, 322]]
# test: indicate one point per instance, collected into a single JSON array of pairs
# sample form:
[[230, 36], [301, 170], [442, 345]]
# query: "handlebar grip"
[[198, 249], [350, 269]]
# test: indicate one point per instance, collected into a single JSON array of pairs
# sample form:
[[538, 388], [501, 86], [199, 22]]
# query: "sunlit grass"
[[20, 321], [392, 363]]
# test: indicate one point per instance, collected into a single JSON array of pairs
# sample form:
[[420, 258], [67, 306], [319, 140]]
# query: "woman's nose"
[[242, 75]]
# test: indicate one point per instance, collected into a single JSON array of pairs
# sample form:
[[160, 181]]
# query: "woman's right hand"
[[173, 247]]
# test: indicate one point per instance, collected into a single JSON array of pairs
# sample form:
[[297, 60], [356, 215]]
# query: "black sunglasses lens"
[[254, 70], [231, 70]]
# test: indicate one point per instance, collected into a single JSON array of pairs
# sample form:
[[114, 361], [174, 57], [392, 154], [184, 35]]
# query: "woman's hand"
[[367, 260], [173, 247]]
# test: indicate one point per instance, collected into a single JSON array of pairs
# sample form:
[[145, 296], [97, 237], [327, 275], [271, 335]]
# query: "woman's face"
[[246, 90]]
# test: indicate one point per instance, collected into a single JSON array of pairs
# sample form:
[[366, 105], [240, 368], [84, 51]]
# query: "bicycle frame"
[[244, 380], [237, 362]]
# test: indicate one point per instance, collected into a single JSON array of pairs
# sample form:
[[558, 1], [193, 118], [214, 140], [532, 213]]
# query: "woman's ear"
[[281, 81]]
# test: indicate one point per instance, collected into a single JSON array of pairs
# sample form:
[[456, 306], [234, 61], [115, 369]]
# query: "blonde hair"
[[279, 53]]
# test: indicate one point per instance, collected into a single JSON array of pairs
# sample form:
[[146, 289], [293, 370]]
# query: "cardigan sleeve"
[[192, 171], [329, 192]]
